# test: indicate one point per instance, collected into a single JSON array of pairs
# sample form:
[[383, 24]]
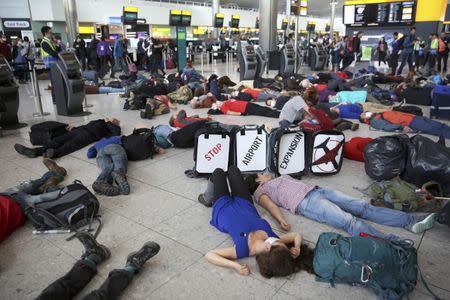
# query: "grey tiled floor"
[[163, 207]]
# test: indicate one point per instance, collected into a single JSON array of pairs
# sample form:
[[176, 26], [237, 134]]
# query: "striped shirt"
[[284, 191]]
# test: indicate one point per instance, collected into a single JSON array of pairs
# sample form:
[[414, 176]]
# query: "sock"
[[130, 269], [90, 262]]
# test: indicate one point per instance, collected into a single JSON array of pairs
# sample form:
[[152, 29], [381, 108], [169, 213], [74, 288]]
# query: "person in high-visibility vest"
[[432, 54], [49, 52]]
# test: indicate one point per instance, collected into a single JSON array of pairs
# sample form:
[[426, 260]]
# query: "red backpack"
[[11, 216], [349, 44]]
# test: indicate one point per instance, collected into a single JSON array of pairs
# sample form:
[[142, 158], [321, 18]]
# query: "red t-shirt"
[[252, 92], [234, 105]]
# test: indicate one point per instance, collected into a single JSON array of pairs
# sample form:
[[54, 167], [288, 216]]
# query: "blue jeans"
[[162, 133], [111, 158], [406, 57], [345, 212], [24, 193], [109, 90], [119, 63], [426, 125]]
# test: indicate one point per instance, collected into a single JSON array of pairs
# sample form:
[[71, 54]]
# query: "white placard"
[[327, 153], [212, 153], [251, 151], [291, 153], [349, 14]]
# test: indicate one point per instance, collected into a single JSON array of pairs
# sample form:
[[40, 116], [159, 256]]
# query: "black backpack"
[[43, 133], [140, 144], [75, 207]]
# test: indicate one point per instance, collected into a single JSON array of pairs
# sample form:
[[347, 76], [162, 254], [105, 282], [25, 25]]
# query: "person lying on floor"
[[74, 139], [338, 122], [38, 190], [242, 108], [294, 110], [182, 119], [82, 272], [234, 213], [353, 111], [204, 101], [408, 123], [192, 78], [326, 206], [349, 97]]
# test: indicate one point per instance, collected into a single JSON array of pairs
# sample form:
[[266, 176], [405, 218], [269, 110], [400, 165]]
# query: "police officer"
[[49, 53]]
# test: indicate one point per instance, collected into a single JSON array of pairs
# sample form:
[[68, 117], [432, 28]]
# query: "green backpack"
[[388, 267], [182, 96]]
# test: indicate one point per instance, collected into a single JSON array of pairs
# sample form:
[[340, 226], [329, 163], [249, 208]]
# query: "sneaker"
[[104, 188], [121, 179], [53, 166], [425, 224], [50, 182], [202, 200], [137, 259], [355, 126], [92, 248], [49, 153], [28, 152]]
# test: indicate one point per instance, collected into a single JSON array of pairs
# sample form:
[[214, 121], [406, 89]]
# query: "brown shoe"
[[53, 166], [52, 181]]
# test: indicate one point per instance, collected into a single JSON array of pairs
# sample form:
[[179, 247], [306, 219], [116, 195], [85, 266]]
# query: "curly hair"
[[278, 261], [311, 96]]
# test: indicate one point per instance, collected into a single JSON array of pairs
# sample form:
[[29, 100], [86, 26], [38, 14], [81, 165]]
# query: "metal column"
[[70, 12], [215, 9], [268, 13], [333, 15], [288, 13]]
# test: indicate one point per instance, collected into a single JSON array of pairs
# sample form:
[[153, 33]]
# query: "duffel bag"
[[43, 133], [140, 144]]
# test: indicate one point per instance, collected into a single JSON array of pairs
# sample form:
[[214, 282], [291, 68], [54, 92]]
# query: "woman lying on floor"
[[234, 213], [242, 108], [326, 206]]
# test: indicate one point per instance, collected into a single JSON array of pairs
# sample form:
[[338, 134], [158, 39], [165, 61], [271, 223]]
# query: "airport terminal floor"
[[163, 207]]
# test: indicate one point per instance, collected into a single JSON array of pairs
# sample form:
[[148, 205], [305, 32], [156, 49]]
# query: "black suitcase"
[[212, 149], [418, 96], [43, 133]]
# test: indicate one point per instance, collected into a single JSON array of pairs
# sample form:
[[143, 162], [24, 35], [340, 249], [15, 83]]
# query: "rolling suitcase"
[[440, 105], [419, 95], [250, 149], [287, 152], [212, 149]]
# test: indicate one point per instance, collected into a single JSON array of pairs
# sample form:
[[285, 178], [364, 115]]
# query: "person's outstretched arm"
[[224, 258], [274, 211]]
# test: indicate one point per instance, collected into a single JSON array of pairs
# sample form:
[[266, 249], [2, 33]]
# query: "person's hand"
[[70, 127], [295, 252], [285, 225], [407, 129], [244, 270]]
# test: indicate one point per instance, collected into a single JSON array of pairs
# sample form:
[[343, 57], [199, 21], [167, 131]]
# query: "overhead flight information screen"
[[381, 14]]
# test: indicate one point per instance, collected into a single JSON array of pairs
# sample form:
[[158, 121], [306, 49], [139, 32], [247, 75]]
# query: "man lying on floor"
[[325, 205], [68, 286], [74, 139]]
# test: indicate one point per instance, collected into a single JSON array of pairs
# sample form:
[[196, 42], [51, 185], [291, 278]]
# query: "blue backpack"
[[388, 267]]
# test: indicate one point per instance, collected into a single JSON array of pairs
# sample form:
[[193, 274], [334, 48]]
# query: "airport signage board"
[[16, 24]]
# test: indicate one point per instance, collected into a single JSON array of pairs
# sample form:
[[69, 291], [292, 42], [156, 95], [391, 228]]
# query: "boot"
[[51, 182], [120, 179], [53, 166], [28, 152], [92, 249], [104, 188], [137, 259], [147, 113]]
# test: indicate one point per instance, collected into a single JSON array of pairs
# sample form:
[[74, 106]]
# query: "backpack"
[[389, 268], [349, 44], [75, 207], [182, 95], [140, 144], [401, 195], [400, 42], [442, 47], [11, 216], [43, 133], [410, 109]]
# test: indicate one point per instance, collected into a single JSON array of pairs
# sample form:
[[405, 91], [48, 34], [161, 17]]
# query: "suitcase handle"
[[252, 127]]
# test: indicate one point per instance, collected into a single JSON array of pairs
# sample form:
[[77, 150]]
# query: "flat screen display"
[[186, 20], [218, 22], [130, 18], [175, 20], [234, 23], [381, 14]]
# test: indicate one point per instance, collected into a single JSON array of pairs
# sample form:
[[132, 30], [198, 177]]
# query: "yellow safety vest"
[[48, 60]]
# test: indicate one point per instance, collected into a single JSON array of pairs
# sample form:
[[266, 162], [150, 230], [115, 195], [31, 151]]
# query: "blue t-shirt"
[[238, 217], [93, 150], [350, 111]]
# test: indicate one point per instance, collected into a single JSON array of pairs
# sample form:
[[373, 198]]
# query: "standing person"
[[157, 50], [140, 54], [148, 48], [93, 59], [103, 52], [20, 63], [394, 53], [419, 53], [443, 52], [80, 50], [382, 51], [118, 53], [59, 43], [337, 52], [357, 45], [407, 51], [29, 51], [5, 48], [49, 53], [432, 54], [68, 286]]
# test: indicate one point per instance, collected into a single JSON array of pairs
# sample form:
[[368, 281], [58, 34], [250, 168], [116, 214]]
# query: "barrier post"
[[201, 62], [37, 93]]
